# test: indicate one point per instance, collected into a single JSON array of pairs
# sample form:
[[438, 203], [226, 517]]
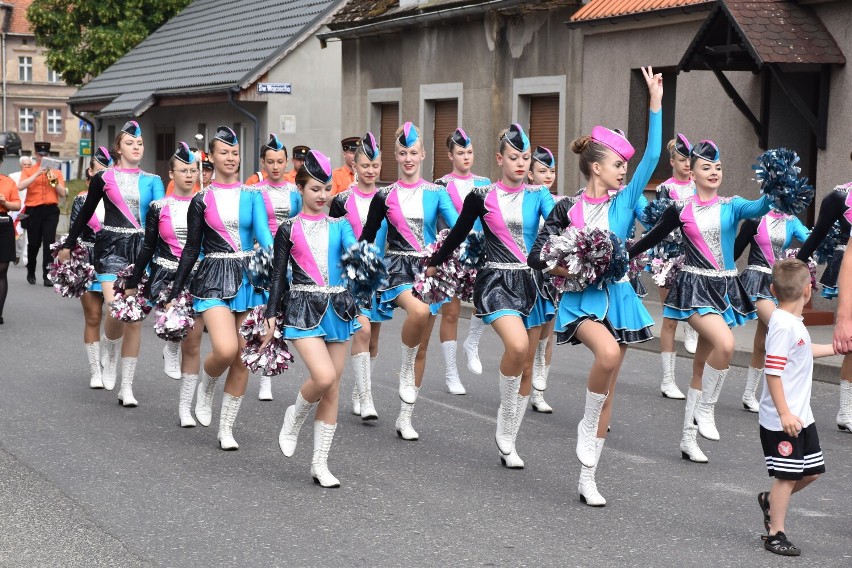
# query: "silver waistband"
[[123, 230], [507, 265], [709, 272], [238, 254], [86, 244], [841, 248], [763, 269], [166, 263], [406, 253], [315, 288]]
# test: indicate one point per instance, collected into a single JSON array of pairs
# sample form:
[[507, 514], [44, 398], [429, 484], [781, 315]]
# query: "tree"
[[84, 37]]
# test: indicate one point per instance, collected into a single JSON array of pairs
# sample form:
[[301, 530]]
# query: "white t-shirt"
[[789, 356]]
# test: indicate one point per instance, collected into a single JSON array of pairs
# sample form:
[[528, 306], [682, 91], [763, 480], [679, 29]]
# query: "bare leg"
[[450, 320], [606, 351], [327, 408], [191, 350], [779, 500], [237, 380], [93, 315]]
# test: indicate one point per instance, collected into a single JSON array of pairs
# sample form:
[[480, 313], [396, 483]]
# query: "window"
[[637, 127], [538, 102], [389, 124], [54, 121], [446, 121], [25, 69], [53, 76], [26, 120], [544, 125]]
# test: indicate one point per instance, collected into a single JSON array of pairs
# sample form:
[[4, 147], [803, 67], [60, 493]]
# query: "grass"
[[74, 186]]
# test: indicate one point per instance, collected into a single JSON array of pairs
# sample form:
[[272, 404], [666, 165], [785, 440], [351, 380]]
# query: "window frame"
[[57, 119], [25, 68], [22, 116], [522, 91]]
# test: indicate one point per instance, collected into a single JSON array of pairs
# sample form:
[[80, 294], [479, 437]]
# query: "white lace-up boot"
[[361, 370], [171, 360], [204, 398], [588, 488], [264, 392], [690, 338], [471, 345], [93, 352], [539, 374], [509, 387], [112, 349], [750, 402], [404, 429], [323, 436], [230, 408], [125, 392], [513, 460], [689, 449], [407, 390], [587, 429], [294, 417], [844, 414], [356, 398], [454, 384], [705, 415], [669, 386], [187, 391], [538, 403]]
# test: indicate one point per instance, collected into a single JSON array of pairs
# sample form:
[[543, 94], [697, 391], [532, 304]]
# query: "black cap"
[[460, 138], [206, 164], [517, 138], [226, 135], [349, 144], [184, 153], [103, 157], [274, 143], [544, 156], [42, 148], [707, 150], [318, 166], [132, 128], [681, 145], [299, 152], [370, 146]]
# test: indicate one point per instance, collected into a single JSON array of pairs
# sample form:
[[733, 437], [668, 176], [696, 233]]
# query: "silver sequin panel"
[[128, 187], [596, 214], [280, 198], [178, 210], [708, 220], [362, 205], [464, 186], [683, 191], [511, 207], [777, 235], [228, 205], [316, 236], [411, 203]]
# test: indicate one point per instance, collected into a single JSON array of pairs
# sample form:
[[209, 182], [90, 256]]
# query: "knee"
[[324, 379], [724, 346], [669, 325], [608, 356], [363, 335], [516, 351]]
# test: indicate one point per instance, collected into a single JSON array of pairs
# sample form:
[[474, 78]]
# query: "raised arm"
[[635, 189], [377, 213], [472, 209], [747, 232], [669, 221], [192, 248], [279, 284], [830, 210], [149, 245], [555, 223]]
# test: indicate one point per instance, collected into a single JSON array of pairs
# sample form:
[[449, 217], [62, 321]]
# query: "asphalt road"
[[86, 482]]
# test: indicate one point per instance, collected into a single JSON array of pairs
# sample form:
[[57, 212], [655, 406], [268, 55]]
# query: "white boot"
[[125, 392], [356, 399], [323, 436], [711, 387], [112, 349], [454, 384], [588, 488], [407, 390], [668, 386], [93, 352], [204, 398], [689, 449], [171, 359], [404, 429], [187, 391], [230, 408], [844, 414], [513, 460], [471, 345], [509, 387], [587, 429], [750, 403], [540, 367], [538, 402], [361, 370], [690, 338], [294, 417], [265, 391]]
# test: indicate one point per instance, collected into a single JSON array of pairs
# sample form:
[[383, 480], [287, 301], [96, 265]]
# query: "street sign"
[[275, 88], [85, 147]]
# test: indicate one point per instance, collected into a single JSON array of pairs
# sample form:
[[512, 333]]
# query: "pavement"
[[86, 482]]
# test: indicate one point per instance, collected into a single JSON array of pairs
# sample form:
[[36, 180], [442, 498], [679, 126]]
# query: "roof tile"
[[602, 9]]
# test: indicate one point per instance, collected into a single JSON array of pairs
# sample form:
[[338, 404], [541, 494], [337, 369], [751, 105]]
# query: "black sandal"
[[763, 501], [778, 544]]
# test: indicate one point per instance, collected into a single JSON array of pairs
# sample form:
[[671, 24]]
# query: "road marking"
[[731, 488]]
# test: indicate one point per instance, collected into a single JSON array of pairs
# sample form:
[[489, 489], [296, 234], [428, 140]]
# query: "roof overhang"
[[645, 16]]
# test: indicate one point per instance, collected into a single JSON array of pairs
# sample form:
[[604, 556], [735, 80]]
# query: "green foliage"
[[84, 37]]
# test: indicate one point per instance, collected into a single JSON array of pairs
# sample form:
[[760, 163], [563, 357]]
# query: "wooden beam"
[[822, 106], [765, 90], [786, 85], [736, 98]]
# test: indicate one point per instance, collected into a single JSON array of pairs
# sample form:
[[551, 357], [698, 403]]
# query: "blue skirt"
[[378, 312], [731, 316], [247, 298], [332, 328], [543, 311], [95, 287], [616, 306], [829, 292]]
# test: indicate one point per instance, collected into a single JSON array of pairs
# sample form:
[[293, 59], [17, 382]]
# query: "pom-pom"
[[812, 265], [664, 271], [778, 175], [586, 254], [173, 323], [441, 286], [826, 249], [472, 251], [260, 268], [637, 263], [618, 265], [71, 279], [271, 360], [653, 212], [364, 272], [125, 308]]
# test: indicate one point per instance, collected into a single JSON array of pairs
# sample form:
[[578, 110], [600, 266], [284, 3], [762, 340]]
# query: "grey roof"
[[211, 46]]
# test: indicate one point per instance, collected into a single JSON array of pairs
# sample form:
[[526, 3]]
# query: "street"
[[86, 482]]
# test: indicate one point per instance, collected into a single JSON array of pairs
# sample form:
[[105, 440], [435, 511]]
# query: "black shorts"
[[792, 458]]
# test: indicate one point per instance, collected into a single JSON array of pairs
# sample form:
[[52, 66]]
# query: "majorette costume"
[[412, 212], [835, 207], [223, 222], [673, 188], [769, 237], [126, 194], [506, 286], [353, 205], [317, 302], [458, 188], [708, 283], [280, 200]]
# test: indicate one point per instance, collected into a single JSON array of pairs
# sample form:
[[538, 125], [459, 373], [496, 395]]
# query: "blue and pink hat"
[[318, 166], [370, 146], [103, 157], [184, 154], [460, 138], [132, 128], [517, 138], [706, 150], [544, 156], [408, 137], [614, 140]]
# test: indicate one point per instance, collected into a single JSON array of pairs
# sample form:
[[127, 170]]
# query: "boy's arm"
[[823, 350], [791, 423]]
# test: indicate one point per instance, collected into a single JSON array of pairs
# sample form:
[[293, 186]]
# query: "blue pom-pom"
[[472, 255], [778, 175], [364, 271], [654, 211], [618, 264], [260, 268], [826, 249]]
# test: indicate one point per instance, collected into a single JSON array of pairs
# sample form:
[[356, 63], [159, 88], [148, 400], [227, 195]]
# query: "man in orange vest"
[[344, 176], [299, 154], [44, 188]]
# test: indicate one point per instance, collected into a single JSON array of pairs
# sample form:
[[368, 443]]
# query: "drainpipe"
[[255, 159]]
